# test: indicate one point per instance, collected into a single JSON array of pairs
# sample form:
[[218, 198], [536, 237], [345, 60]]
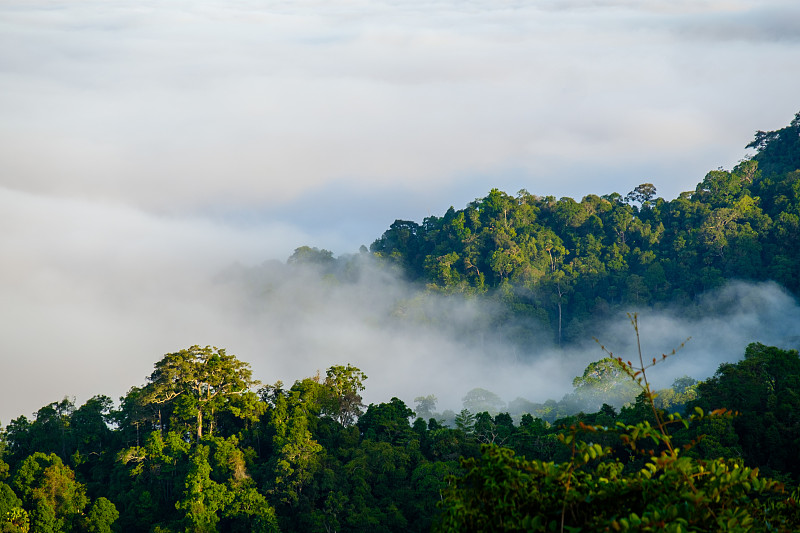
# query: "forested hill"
[[563, 260], [203, 446]]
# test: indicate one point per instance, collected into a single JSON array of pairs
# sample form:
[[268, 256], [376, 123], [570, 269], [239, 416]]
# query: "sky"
[[146, 146]]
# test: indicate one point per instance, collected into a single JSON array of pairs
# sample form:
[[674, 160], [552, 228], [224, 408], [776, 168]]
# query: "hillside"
[[560, 261], [203, 445]]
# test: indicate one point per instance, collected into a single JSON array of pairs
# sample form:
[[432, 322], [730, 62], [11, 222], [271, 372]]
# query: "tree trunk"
[[559, 322], [560, 295]]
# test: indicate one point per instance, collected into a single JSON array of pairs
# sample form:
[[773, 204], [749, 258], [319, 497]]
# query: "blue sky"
[[155, 142]]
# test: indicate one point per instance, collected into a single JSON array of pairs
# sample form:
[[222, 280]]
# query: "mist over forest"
[[412, 342], [386, 267], [463, 299], [291, 320], [514, 326]]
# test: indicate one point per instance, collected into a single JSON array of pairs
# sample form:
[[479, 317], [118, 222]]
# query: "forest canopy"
[[560, 260], [202, 445]]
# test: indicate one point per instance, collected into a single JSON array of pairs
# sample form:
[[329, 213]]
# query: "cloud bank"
[[145, 146], [183, 105], [92, 306]]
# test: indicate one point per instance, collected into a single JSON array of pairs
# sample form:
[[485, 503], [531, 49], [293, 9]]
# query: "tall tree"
[[203, 379], [344, 384], [642, 194], [478, 400]]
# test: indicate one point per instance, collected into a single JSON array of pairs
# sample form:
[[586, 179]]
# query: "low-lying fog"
[[90, 309]]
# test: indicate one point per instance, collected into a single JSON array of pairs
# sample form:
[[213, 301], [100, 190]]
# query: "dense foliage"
[[637, 474], [202, 446], [312, 457], [558, 261]]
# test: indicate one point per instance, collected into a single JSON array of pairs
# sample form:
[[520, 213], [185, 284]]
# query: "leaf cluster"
[[594, 490]]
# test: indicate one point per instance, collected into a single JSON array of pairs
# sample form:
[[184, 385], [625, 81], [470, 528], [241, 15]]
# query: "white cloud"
[[92, 292], [175, 105], [93, 296], [134, 134]]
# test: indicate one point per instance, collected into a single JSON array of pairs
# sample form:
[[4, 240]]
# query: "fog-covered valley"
[[291, 320]]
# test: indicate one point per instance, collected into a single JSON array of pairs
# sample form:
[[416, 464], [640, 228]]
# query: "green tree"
[[501, 492], [200, 381], [591, 490], [387, 422], [89, 425], [426, 406], [765, 389], [155, 473], [465, 422], [101, 516], [478, 400], [306, 255], [344, 384], [249, 512], [642, 194], [497, 430], [48, 488], [8, 500], [296, 454], [778, 151], [604, 382], [50, 432], [15, 520], [204, 500]]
